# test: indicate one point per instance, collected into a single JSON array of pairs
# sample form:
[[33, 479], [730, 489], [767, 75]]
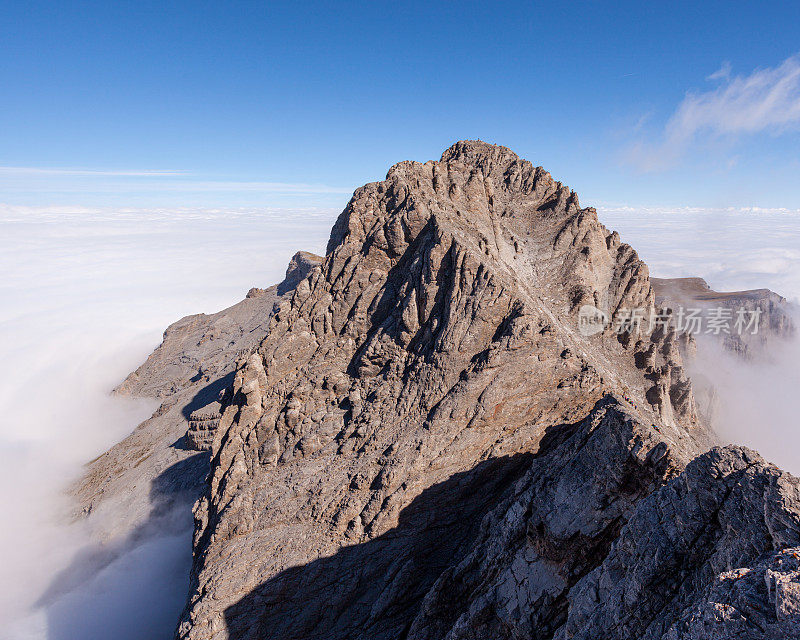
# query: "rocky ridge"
[[407, 391], [774, 315], [137, 485], [411, 438]]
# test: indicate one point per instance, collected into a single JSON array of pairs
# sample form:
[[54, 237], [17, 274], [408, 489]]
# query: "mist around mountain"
[[133, 540]]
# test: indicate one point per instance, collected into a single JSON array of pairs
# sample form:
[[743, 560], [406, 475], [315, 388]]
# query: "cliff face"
[[147, 482], [424, 444], [765, 318]]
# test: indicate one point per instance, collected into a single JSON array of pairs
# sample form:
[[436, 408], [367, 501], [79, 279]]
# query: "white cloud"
[[90, 216], [723, 73], [733, 248], [766, 101], [79, 180], [266, 187]]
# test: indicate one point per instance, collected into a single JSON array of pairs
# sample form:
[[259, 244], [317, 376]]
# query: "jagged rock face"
[[406, 387], [775, 322], [158, 465], [201, 345], [550, 531], [773, 326], [679, 558], [696, 559], [748, 602]]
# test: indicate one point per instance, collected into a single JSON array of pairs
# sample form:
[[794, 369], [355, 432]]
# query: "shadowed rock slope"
[[425, 446]]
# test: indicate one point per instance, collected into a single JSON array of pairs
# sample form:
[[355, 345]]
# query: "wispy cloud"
[[766, 101], [265, 187], [723, 73], [651, 210], [49, 171], [83, 215], [70, 180]]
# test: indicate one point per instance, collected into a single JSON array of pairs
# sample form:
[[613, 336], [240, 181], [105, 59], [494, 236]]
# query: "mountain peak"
[[478, 152], [439, 333], [413, 437]]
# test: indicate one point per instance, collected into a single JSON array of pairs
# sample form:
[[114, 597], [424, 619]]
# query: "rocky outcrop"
[[755, 326], [676, 569], [147, 483], [696, 559], [202, 346], [752, 323], [407, 387], [759, 601]]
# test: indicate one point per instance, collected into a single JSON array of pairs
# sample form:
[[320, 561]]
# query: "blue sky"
[[265, 104]]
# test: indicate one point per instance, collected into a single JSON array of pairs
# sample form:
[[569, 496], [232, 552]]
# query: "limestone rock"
[[676, 569], [767, 321], [407, 387], [693, 559]]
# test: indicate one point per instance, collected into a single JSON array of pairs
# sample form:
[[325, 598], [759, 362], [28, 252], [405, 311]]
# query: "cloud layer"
[[87, 293], [732, 248]]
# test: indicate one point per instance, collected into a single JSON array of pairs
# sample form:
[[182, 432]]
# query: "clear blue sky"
[[331, 95]]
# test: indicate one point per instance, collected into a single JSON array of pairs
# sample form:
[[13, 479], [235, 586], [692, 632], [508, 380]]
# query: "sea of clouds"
[[86, 295], [88, 292], [733, 249]]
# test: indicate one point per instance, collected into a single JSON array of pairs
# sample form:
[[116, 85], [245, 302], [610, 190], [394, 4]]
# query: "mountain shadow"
[[134, 587], [372, 590]]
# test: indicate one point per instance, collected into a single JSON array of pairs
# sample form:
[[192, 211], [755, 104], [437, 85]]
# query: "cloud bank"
[[732, 248], [86, 294]]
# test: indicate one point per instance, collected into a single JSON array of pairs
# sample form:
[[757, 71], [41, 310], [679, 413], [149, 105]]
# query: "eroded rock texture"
[[139, 483], [425, 446], [758, 321], [677, 568]]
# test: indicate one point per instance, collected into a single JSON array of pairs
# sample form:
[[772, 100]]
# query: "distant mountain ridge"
[[775, 313]]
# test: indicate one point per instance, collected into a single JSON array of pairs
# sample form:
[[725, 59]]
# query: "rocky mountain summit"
[[412, 438]]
